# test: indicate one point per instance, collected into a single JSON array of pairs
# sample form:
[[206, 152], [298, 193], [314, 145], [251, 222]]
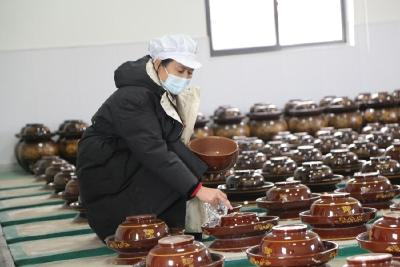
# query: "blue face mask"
[[175, 84]]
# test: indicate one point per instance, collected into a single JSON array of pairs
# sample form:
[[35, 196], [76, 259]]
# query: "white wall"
[[71, 78]]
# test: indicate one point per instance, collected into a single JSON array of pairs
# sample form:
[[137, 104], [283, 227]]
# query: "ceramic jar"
[[41, 165], [67, 172], [201, 128], [243, 179], [382, 107], [346, 135], [392, 129], [385, 165], [306, 117], [306, 153], [266, 121], [35, 142], [326, 143], [249, 143], [278, 169], [229, 122], [343, 113], [342, 161], [393, 151], [71, 192], [250, 160], [365, 149], [70, 132]]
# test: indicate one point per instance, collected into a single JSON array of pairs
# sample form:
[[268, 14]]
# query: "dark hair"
[[165, 62]]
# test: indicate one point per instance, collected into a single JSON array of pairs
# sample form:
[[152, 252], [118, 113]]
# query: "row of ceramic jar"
[[147, 241], [36, 140], [266, 120]]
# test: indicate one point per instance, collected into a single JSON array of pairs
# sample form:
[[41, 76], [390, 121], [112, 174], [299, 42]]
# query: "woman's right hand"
[[213, 196]]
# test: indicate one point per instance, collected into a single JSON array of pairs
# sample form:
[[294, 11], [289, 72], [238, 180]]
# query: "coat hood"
[[133, 73]]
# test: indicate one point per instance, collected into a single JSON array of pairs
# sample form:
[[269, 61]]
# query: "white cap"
[[179, 47]]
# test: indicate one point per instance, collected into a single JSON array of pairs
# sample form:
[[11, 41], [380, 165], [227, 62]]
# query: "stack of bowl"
[[238, 231], [292, 245], [135, 237], [287, 199], [371, 189], [338, 216]]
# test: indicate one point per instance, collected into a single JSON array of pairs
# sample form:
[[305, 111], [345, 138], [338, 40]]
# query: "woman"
[[133, 159]]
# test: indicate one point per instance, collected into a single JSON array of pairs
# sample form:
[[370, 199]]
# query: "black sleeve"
[[136, 122]]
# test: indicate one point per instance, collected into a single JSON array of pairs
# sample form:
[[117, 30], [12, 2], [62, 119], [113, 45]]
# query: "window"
[[246, 26]]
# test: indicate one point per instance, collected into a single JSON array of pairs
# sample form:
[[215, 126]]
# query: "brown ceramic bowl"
[[135, 237], [387, 228], [219, 153], [278, 169], [291, 240], [383, 236], [240, 224], [370, 188], [292, 245], [337, 210], [256, 257], [181, 251], [336, 204], [287, 199], [288, 191], [372, 260]]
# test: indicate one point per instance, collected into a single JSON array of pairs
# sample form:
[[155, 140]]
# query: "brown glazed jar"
[[342, 161], [383, 140], [250, 160], [201, 128], [326, 143], [288, 138], [382, 107], [364, 149], [393, 129], [385, 165], [245, 179], [41, 165], [393, 151], [272, 149], [343, 113], [313, 172], [70, 132], [61, 179], [396, 95], [346, 135], [278, 169], [306, 153], [249, 143], [71, 192], [229, 122], [35, 142], [55, 168], [266, 121], [306, 117]]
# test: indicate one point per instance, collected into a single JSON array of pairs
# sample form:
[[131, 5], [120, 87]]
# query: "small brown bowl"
[[335, 205], [287, 199], [365, 242], [387, 228], [337, 222], [372, 260], [229, 228], [135, 237], [219, 153], [370, 188], [288, 191], [181, 251]]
